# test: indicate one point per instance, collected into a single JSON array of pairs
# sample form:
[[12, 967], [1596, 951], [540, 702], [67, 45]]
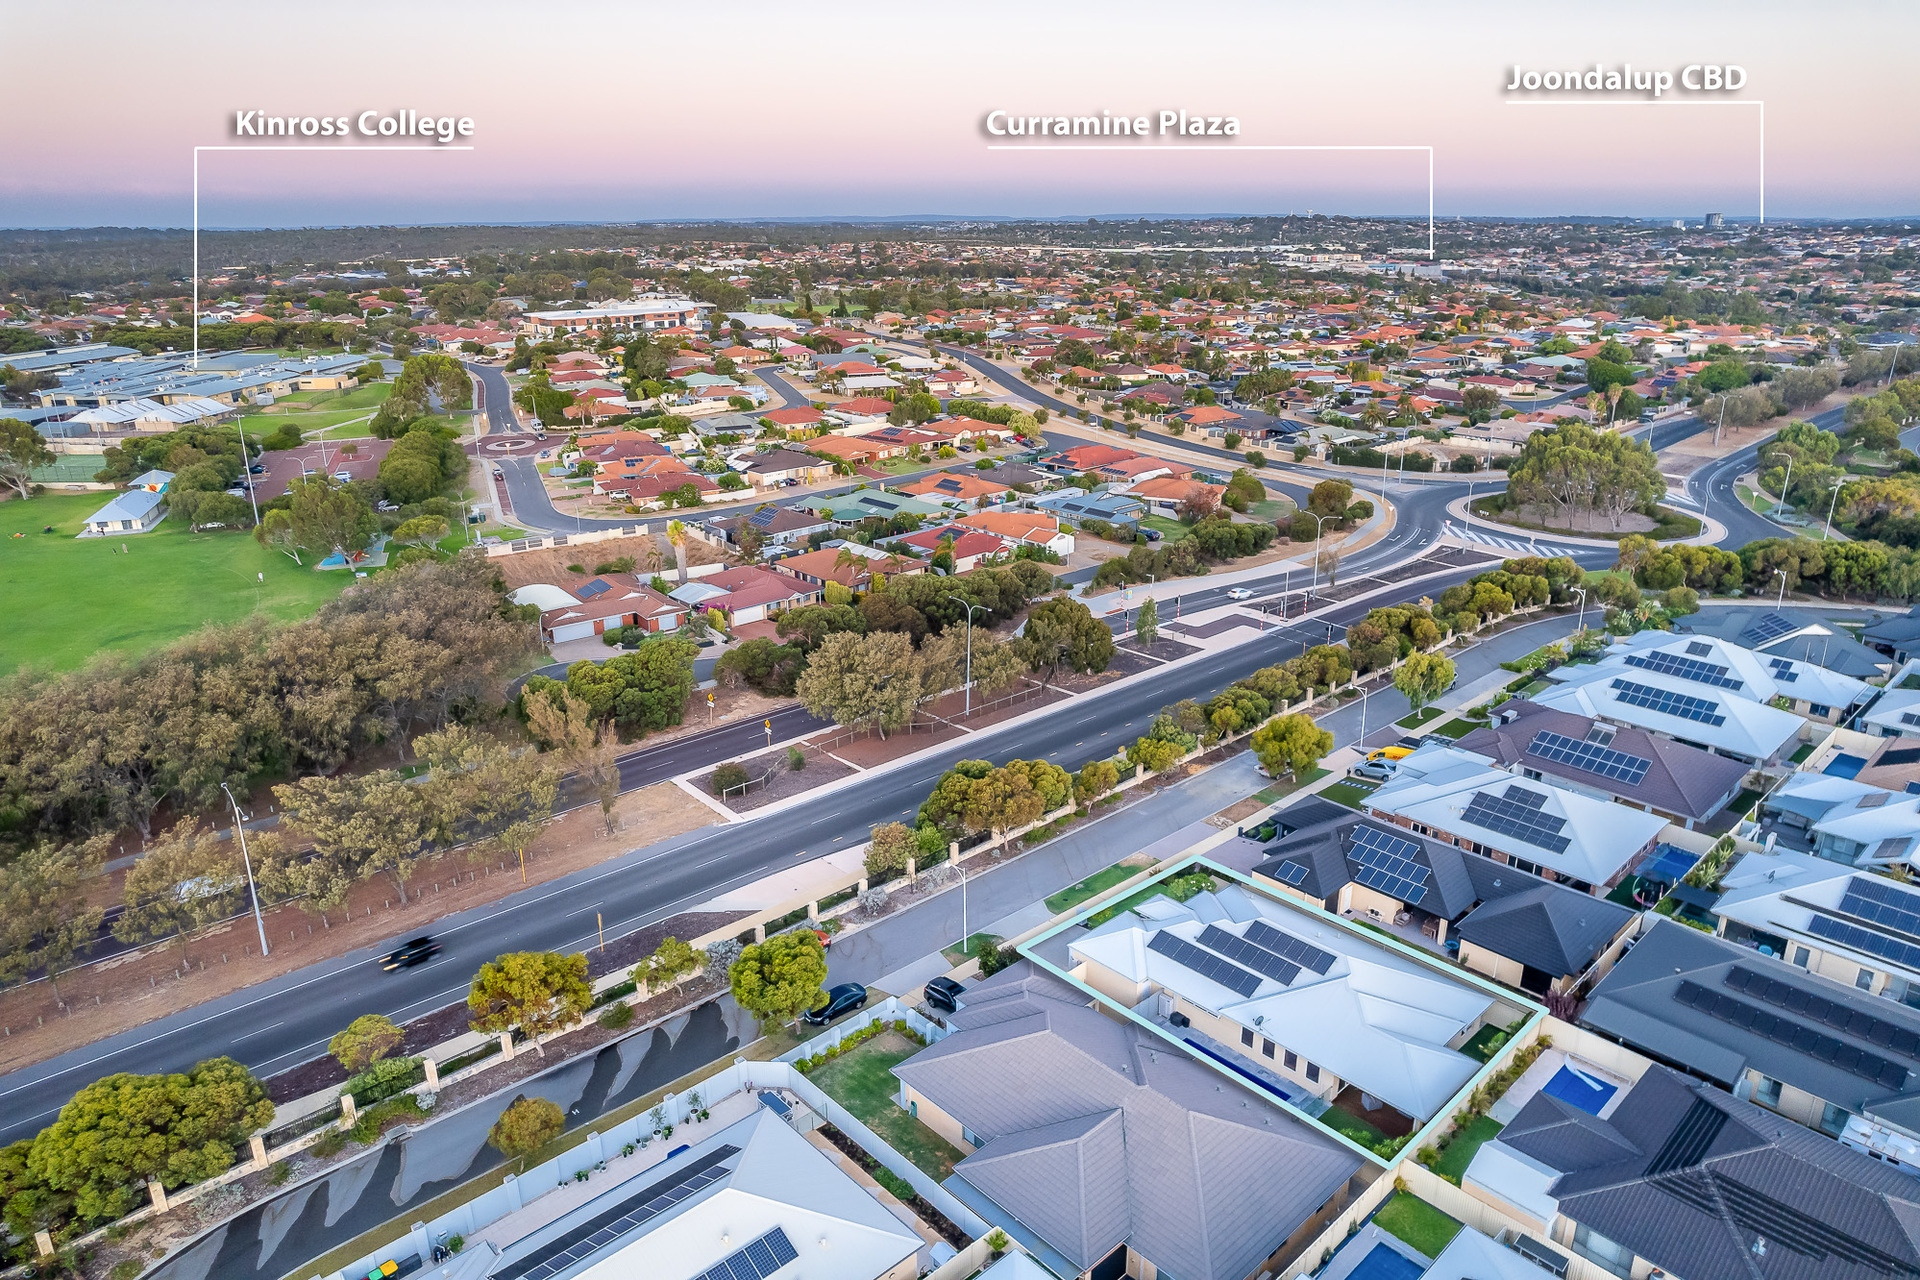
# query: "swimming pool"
[[1845, 766], [1384, 1262], [1578, 1089]]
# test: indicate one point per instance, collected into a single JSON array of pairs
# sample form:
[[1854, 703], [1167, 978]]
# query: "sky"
[[636, 110]]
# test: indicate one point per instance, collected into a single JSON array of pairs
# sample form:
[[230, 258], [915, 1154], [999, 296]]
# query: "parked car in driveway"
[[843, 999], [1378, 770], [944, 994], [409, 954]]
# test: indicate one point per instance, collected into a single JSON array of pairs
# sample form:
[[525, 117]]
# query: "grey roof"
[[1113, 1135], [1680, 779], [1717, 1009], [1819, 643], [1708, 1187], [1514, 913], [1549, 927], [1895, 630]]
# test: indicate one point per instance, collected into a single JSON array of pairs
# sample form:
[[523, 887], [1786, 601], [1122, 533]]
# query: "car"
[[409, 954], [1151, 535], [1378, 770], [258, 469], [842, 999], [343, 475], [1240, 593], [964, 448], [944, 993], [1647, 415], [1390, 753]]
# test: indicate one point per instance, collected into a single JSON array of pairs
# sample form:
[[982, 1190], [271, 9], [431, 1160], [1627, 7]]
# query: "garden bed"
[[861, 1080]]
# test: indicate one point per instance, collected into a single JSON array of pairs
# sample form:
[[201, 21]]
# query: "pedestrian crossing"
[[1510, 543]]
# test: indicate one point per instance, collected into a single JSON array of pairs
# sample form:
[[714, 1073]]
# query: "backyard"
[[78, 596], [1418, 1223], [861, 1080]]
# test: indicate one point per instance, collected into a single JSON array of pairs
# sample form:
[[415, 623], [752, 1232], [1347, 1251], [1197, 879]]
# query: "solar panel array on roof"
[[1672, 664], [1797, 1036], [1681, 705], [1387, 863], [1882, 902], [1884, 1032], [1783, 670], [1589, 757], [1512, 815], [1293, 873], [1699, 648], [1258, 959], [1778, 1223], [1241, 982], [1288, 947], [755, 1261], [1689, 1140], [599, 586], [1909, 718], [1769, 626], [604, 1228], [1860, 938], [763, 517]]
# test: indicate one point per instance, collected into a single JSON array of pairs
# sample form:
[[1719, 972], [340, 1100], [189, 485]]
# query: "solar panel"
[[1910, 718], [754, 1261], [1205, 963], [1673, 664], [1848, 934], [1589, 757], [1770, 626], [1699, 648], [596, 587], [1849, 1018], [1795, 1035], [1513, 815], [1258, 959], [1679, 705], [1783, 671], [1293, 873], [606, 1227], [1387, 862], [1288, 947], [1882, 903]]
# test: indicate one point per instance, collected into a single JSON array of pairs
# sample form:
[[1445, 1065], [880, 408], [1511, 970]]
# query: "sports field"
[[346, 412], [66, 598]]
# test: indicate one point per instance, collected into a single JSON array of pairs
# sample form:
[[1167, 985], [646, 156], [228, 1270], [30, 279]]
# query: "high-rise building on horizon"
[[1715, 221]]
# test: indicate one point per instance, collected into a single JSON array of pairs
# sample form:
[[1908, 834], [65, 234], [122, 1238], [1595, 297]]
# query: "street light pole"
[[1831, 504], [1582, 625], [240, 832], [969, 606], [1319, 530], [1781, 599]]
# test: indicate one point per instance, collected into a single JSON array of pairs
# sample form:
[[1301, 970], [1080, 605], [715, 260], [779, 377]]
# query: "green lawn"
[[1418, 1223], [1171, 530], [1349, 792], [336, 412], [862, 1082], [1458, 728], [71, 597], [1425, 715], [972, 947], [1098, 882], [1453, 1162], [1484, 1043], [1272, 508], [1352, 1127]]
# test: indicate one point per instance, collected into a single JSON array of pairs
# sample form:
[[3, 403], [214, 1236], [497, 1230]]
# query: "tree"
[[862, 679], [327, 516], [44, 914], [1064, 632], [421, 531], [276, 530], [364, 1041], [564, 725], [1330, 498], [1146, 626], [1290, 744], [22, 452], [1480, 403], [677, 536], [477, 786], [1095, 779], [360, 825], [781, 978], [175, 1129], [527, 1125], [186, 880], [671, 961], [1423, 677], [536, 991], [888, 849], [943, 663]]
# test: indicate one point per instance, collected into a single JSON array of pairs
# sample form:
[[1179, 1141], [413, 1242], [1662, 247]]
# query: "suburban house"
[[1210, 418], [1512, 926], [1549, 830], [1028, 528], [970, 547], [849, 564], [1116, 509], [955, 488], [747, 593], [1168, 495], [1842, 818], [1853, 926], [1898, 635], [778, 526], [1772, 634], [1683, 784], [639, 313], [1815, 1050], [783, 466], [602, 604], [1116, 1154], [855, 450], [1678, 1178], [803, 418], [952, 382], [862, 504], [1085, 458], [135, 511]]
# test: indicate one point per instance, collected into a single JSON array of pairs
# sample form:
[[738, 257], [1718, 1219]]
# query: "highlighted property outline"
[[1670, 102], [1174, 146], [326, 149]]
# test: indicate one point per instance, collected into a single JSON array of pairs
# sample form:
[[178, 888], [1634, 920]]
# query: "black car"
[[844, 998], [409, 954], [944, 993]]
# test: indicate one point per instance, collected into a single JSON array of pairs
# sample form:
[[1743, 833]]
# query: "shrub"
[[616, 1016], [727, 777], [796, 759], [383, 1080]]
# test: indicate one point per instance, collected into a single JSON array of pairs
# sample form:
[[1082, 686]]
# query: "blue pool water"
[[1383, 1263], [1577, 1089], [1845, 766], [1667, 863]]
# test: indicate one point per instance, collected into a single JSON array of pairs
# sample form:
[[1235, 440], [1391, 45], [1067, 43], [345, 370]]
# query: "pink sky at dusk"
[[616, 111]]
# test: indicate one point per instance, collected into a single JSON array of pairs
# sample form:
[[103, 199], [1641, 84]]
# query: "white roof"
[[544, 594], [1435, 785], [1518, 1179], [1748, 729], [1782, 891], [134, 504], [1376, 1019], [778, 1180], [1758, 677], [141, 410], [1886, 823]]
